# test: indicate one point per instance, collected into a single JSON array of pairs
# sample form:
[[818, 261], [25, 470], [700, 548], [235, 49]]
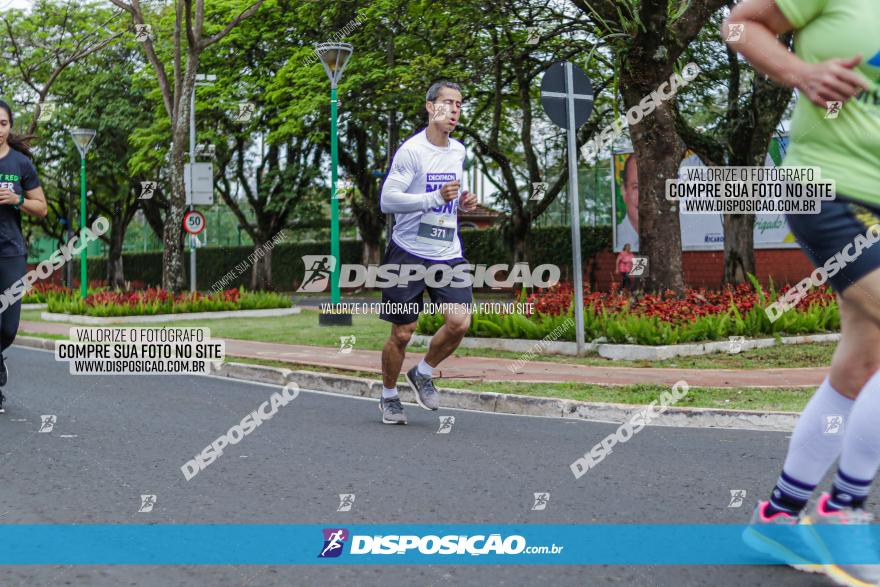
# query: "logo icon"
[[735, 32], [735, 344], [245, 112], [318, 270], [446, 423], [148, 188], [346, 501], [539, 188], [541, 500], [588, 151], [143, 32], [47, 111], [346, 344], [48, 423], [534, 37], [736, 498], [640, 266], [147, 503], [205, 150], [343, 187], [833, 424], [832, 108], [441, 111], [334, 540]]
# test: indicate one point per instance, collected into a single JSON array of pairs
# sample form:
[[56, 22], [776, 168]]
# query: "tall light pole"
[[83, 138], [334, 57], [205, 80]]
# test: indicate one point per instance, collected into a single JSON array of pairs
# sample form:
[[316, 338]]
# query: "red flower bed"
[[153, 295], [667, 306]]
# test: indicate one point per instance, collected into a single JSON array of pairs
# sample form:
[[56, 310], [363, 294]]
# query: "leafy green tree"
[[179, 38], [732, 127], [648, 39]]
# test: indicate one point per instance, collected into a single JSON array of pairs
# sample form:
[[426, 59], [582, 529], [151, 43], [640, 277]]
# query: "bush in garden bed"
[[158, 301], [699, 315], [39, 291]]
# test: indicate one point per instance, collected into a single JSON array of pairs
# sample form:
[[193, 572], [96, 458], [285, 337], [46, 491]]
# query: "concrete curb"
[[499, 403], [628, 352], [502, 403], [97, 320]]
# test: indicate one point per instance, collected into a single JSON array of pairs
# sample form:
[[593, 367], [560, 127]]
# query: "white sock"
[[819, 435], [389, 393], [860, 456], [425, 369]]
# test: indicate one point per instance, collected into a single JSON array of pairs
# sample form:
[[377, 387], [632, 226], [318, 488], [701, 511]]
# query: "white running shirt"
[[426, 225]]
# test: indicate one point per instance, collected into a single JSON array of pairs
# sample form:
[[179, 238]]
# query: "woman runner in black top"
[[20, 191]]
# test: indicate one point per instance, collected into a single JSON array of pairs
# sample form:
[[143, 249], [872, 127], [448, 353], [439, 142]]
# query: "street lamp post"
[[334, 58], [83, 138]]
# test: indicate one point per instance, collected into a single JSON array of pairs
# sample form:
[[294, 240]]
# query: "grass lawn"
[[371, 333], [774, 399]]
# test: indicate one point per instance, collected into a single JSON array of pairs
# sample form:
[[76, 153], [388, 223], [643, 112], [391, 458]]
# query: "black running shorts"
[[408, 297]]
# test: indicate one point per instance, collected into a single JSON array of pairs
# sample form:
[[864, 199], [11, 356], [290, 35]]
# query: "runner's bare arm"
[[35, 203], [831, 80]]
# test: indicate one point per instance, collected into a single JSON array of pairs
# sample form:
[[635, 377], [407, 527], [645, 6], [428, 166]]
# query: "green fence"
[[550, 244]]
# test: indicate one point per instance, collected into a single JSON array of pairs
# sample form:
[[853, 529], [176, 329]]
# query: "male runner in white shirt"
[[424, 192]]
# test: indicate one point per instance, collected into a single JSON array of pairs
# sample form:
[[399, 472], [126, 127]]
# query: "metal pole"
[[83, 279], [575, 213], [192, 160], [69, 268], [334, 203]]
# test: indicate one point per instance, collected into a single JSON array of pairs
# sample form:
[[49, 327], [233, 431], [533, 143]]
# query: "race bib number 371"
[[434, 228]]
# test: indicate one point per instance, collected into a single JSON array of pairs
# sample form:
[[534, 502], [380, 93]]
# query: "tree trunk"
[[115, 276], [173, 274], [517, 235], [372, 253], [739, 247], [659, 151], [261, 269]]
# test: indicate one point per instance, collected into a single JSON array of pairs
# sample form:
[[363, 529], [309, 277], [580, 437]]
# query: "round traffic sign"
[[555, 92], [194, 222]]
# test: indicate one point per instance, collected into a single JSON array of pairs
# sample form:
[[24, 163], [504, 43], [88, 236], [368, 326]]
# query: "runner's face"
[[446, 109], [4, 126]]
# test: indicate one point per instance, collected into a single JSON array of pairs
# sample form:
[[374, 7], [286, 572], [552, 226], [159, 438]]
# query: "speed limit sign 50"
[[194, 222]]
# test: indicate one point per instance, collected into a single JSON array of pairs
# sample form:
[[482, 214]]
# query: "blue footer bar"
[[270, 544]]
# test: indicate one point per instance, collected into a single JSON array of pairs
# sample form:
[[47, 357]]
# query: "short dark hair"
[[435, 88]]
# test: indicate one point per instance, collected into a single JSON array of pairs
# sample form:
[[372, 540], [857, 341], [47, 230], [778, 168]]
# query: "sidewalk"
[[490, 369]]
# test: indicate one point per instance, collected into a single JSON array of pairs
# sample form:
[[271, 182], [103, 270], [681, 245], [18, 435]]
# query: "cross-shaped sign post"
[[567, 97]]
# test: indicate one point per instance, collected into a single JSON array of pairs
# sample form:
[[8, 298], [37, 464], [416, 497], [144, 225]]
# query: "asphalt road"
[[118, 437]]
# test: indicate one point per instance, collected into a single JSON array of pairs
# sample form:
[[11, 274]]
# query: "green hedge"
[[550, 244]]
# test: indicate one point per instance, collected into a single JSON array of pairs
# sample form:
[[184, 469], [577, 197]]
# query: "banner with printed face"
[[699, 232]]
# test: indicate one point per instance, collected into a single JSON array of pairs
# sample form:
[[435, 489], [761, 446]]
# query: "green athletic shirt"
[[847, 148]]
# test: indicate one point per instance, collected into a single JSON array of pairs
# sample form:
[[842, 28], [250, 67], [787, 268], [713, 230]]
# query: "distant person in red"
[[624, 266]]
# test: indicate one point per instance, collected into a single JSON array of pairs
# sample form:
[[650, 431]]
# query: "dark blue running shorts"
[[829, 239], [409, 296]]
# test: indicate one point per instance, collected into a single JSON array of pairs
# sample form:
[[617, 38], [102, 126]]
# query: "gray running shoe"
[[392, 410], [761, 535], [4, 372], [423, 388], [860, 544]]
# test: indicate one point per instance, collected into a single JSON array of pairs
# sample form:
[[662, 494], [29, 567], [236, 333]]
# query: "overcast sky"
[[6, 4]]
